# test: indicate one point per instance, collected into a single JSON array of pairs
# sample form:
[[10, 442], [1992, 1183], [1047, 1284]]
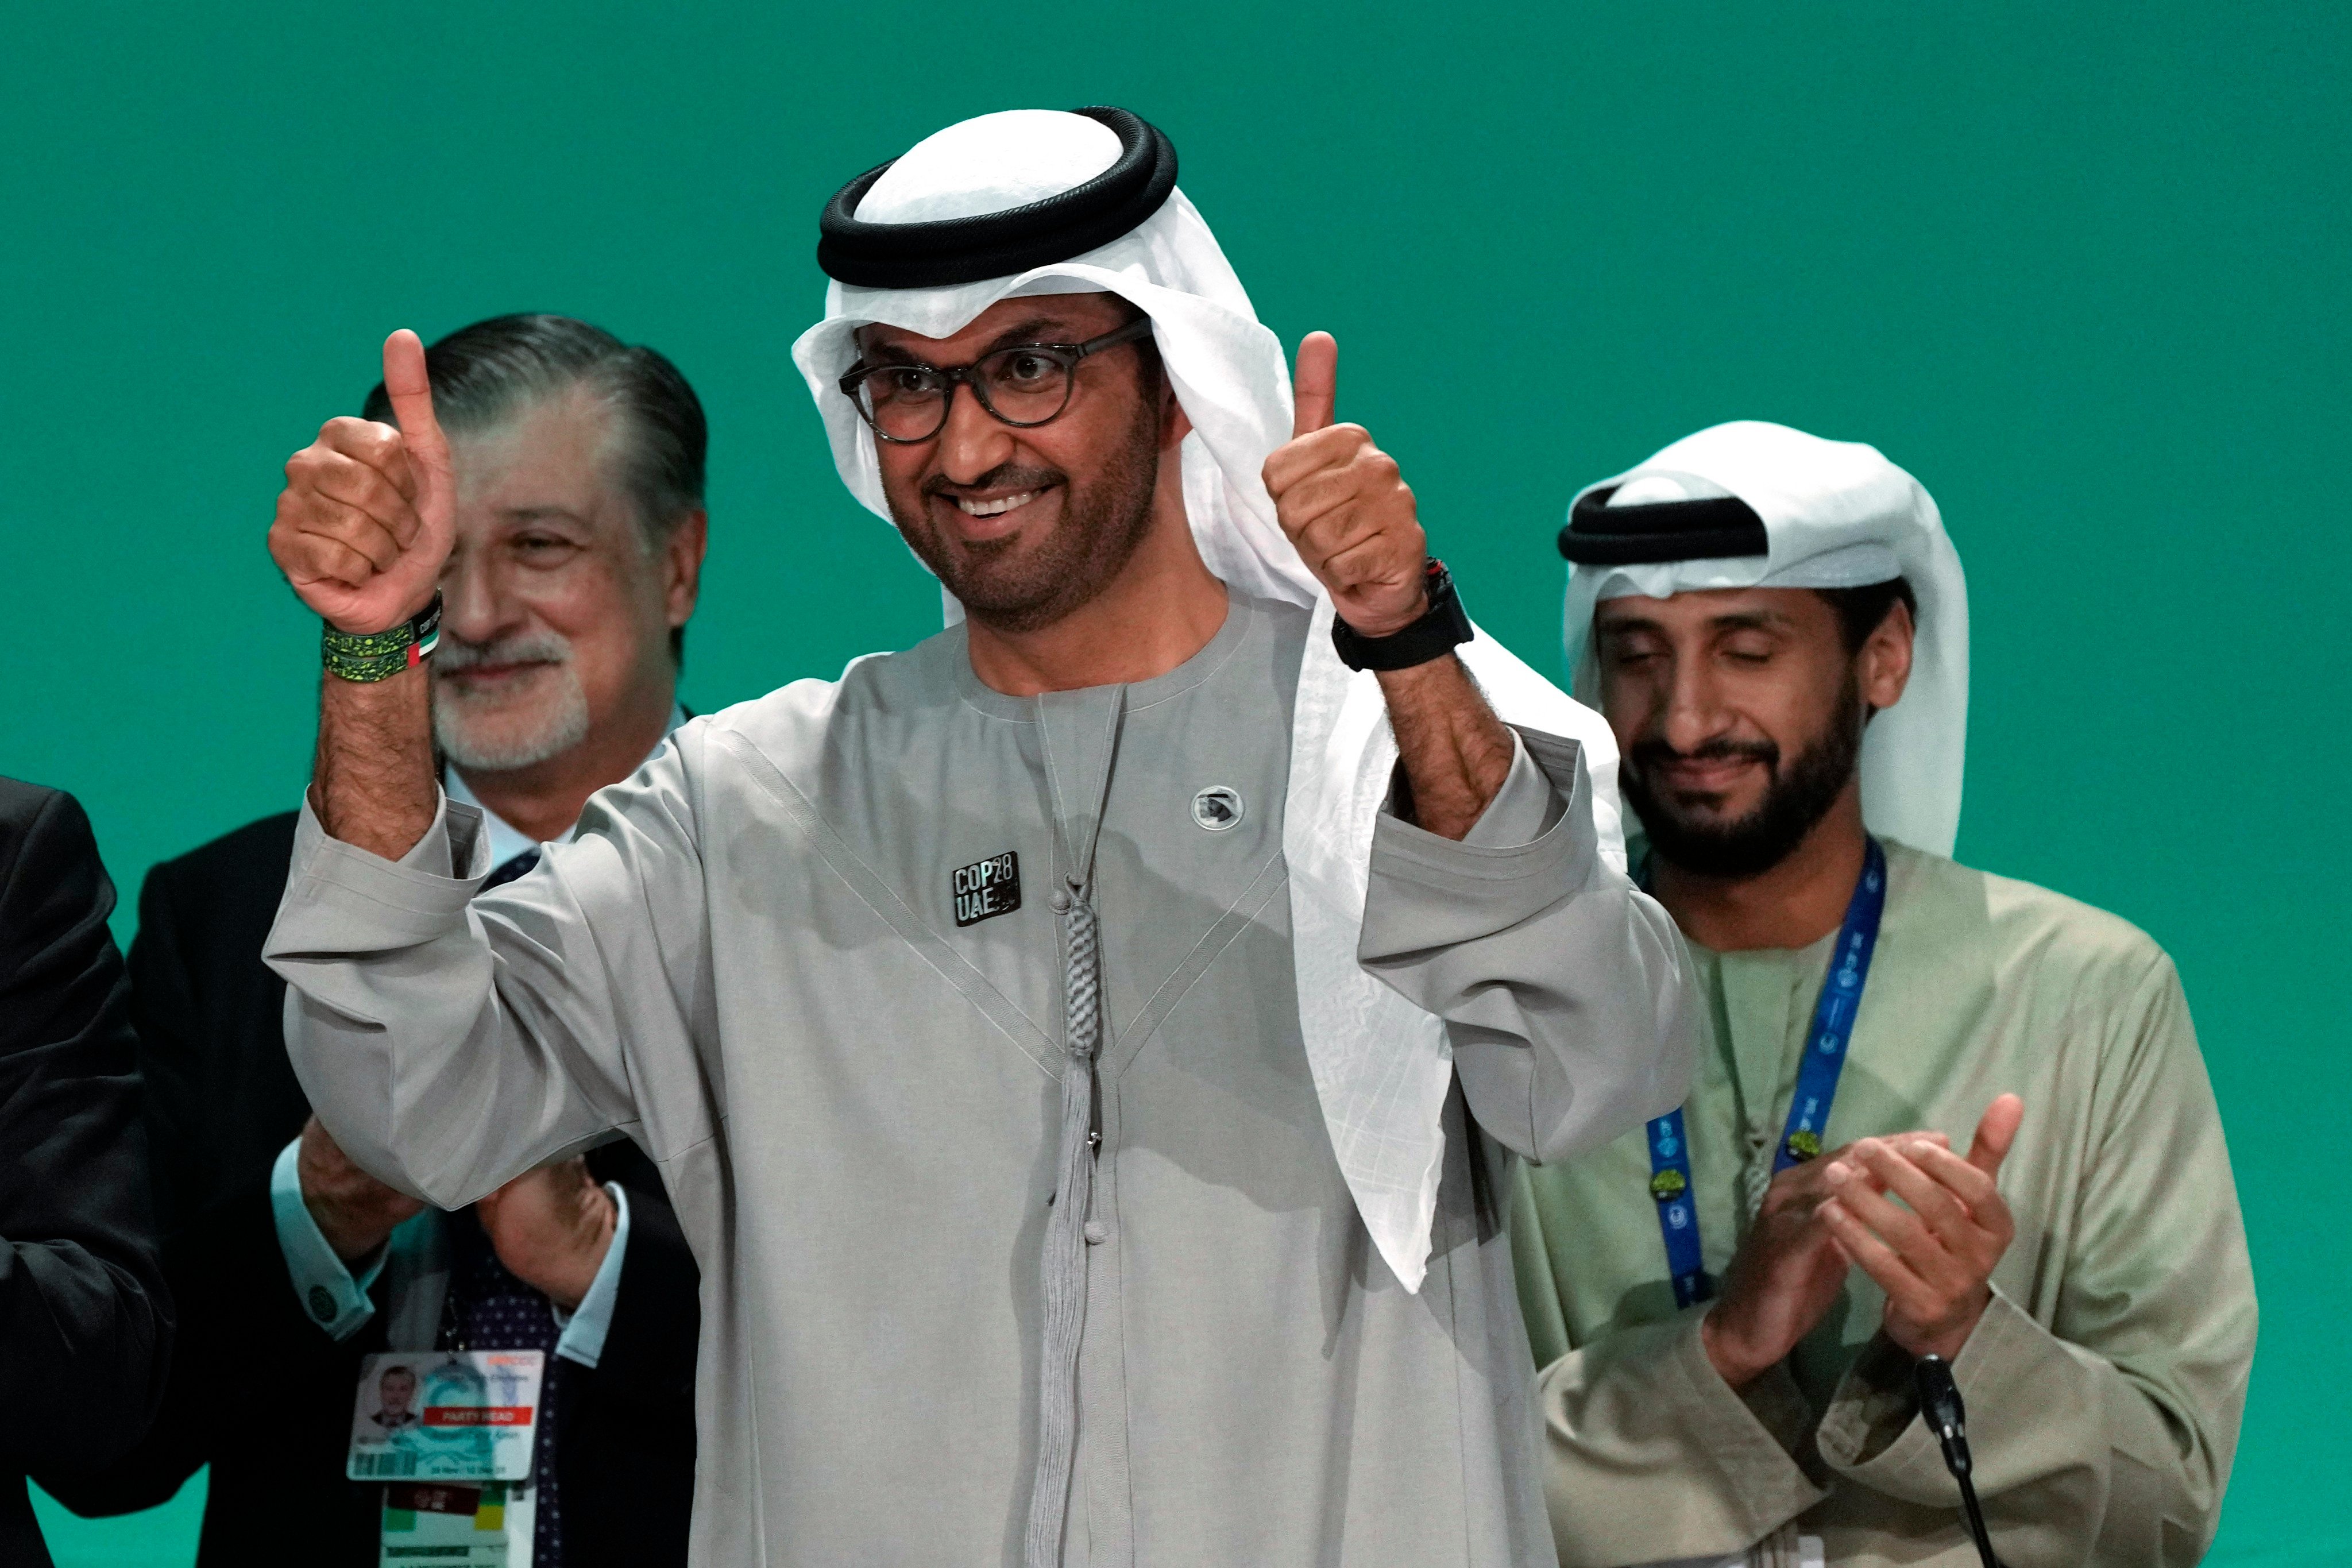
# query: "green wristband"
[[379, 656]]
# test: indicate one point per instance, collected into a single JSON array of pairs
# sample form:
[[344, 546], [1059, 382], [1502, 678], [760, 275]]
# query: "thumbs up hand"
[[368, 514], [1343, 504]]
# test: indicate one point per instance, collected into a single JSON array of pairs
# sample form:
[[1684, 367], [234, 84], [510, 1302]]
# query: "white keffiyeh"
[[1837, 514]]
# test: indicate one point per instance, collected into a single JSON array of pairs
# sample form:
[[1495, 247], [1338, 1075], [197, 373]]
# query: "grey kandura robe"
[[749, 961]]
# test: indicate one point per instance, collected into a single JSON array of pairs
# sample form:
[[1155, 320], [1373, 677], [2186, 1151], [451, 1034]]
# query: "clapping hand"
[[352, 1210], [1935, 1252], [1788, 1273], [551, 1228]]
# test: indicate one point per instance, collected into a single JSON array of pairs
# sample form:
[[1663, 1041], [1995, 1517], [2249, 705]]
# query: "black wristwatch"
[[1443, 627]]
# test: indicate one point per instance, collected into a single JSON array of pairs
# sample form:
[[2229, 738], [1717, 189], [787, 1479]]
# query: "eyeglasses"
[[1026, 386]]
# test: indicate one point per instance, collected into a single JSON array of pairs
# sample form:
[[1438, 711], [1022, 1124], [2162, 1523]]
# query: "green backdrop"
[[2081, 269]]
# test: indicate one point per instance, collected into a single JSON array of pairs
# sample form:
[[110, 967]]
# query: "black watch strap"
[[1443, 627]]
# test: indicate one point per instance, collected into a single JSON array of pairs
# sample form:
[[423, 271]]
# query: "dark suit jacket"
[[85, 1324], [258, 1390]]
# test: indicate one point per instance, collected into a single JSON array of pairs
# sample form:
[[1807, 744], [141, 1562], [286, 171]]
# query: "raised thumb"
[[1314, 385], [410, 391]]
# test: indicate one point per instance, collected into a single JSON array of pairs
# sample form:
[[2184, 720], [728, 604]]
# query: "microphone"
[[1940, 1406]]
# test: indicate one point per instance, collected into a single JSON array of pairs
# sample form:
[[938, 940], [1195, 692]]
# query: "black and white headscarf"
[[1754, 505]]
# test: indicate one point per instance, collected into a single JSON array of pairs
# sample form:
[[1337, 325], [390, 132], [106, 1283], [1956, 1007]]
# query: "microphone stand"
[[1939, 1402]]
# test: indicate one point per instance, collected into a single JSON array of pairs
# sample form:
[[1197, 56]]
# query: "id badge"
[[445, 1416], [446, 1525]]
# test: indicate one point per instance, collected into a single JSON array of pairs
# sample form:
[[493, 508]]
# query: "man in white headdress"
[[1731, 1321], [1085, 1050]]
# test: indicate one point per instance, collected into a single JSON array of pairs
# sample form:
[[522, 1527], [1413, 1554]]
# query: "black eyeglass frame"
[[1066, 355]]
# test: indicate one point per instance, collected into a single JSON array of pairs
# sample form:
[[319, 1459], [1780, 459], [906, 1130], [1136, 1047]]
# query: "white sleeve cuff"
[[584, 1328], [330, 1295]]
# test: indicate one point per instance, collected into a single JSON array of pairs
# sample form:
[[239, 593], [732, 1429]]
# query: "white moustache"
[[537, 647]]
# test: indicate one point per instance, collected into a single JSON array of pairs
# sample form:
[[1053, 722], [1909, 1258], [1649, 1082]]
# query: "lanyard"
[[1808, 1110]]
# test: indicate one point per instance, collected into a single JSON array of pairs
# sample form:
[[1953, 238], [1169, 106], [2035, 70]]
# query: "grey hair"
[[483, 374]]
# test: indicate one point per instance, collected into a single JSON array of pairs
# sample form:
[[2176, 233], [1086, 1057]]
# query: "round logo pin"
[[1217, 807]]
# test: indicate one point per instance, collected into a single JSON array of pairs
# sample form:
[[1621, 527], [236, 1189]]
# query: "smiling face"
[[1739, 714], [556, 613], [1024, 525]]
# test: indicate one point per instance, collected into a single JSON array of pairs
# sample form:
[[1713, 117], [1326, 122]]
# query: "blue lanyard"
[[1808, 1111]]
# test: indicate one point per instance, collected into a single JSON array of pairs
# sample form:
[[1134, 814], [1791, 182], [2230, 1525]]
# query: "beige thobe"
[[2105, 1383]]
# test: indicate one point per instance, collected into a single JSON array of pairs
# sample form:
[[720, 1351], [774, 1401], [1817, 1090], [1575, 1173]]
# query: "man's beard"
[[498, 733], [1794, 802], [1019, 585]]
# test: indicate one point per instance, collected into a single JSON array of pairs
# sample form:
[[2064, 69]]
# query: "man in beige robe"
[[1775, 627]]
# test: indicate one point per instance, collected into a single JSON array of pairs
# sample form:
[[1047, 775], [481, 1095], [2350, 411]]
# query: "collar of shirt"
[[506, 841]]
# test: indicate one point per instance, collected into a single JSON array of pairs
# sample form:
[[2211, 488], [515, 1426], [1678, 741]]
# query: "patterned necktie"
[[508, 870], [490, 1309]]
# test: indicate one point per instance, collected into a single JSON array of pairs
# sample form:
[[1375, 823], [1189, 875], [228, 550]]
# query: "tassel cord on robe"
[[1064, 1271], [1080, 734]]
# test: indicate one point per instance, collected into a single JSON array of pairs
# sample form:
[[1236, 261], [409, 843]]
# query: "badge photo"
[[445, 1416]]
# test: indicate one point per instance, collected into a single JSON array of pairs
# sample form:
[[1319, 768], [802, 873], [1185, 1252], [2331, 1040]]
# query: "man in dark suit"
[[579, 464], [85, 1324]]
